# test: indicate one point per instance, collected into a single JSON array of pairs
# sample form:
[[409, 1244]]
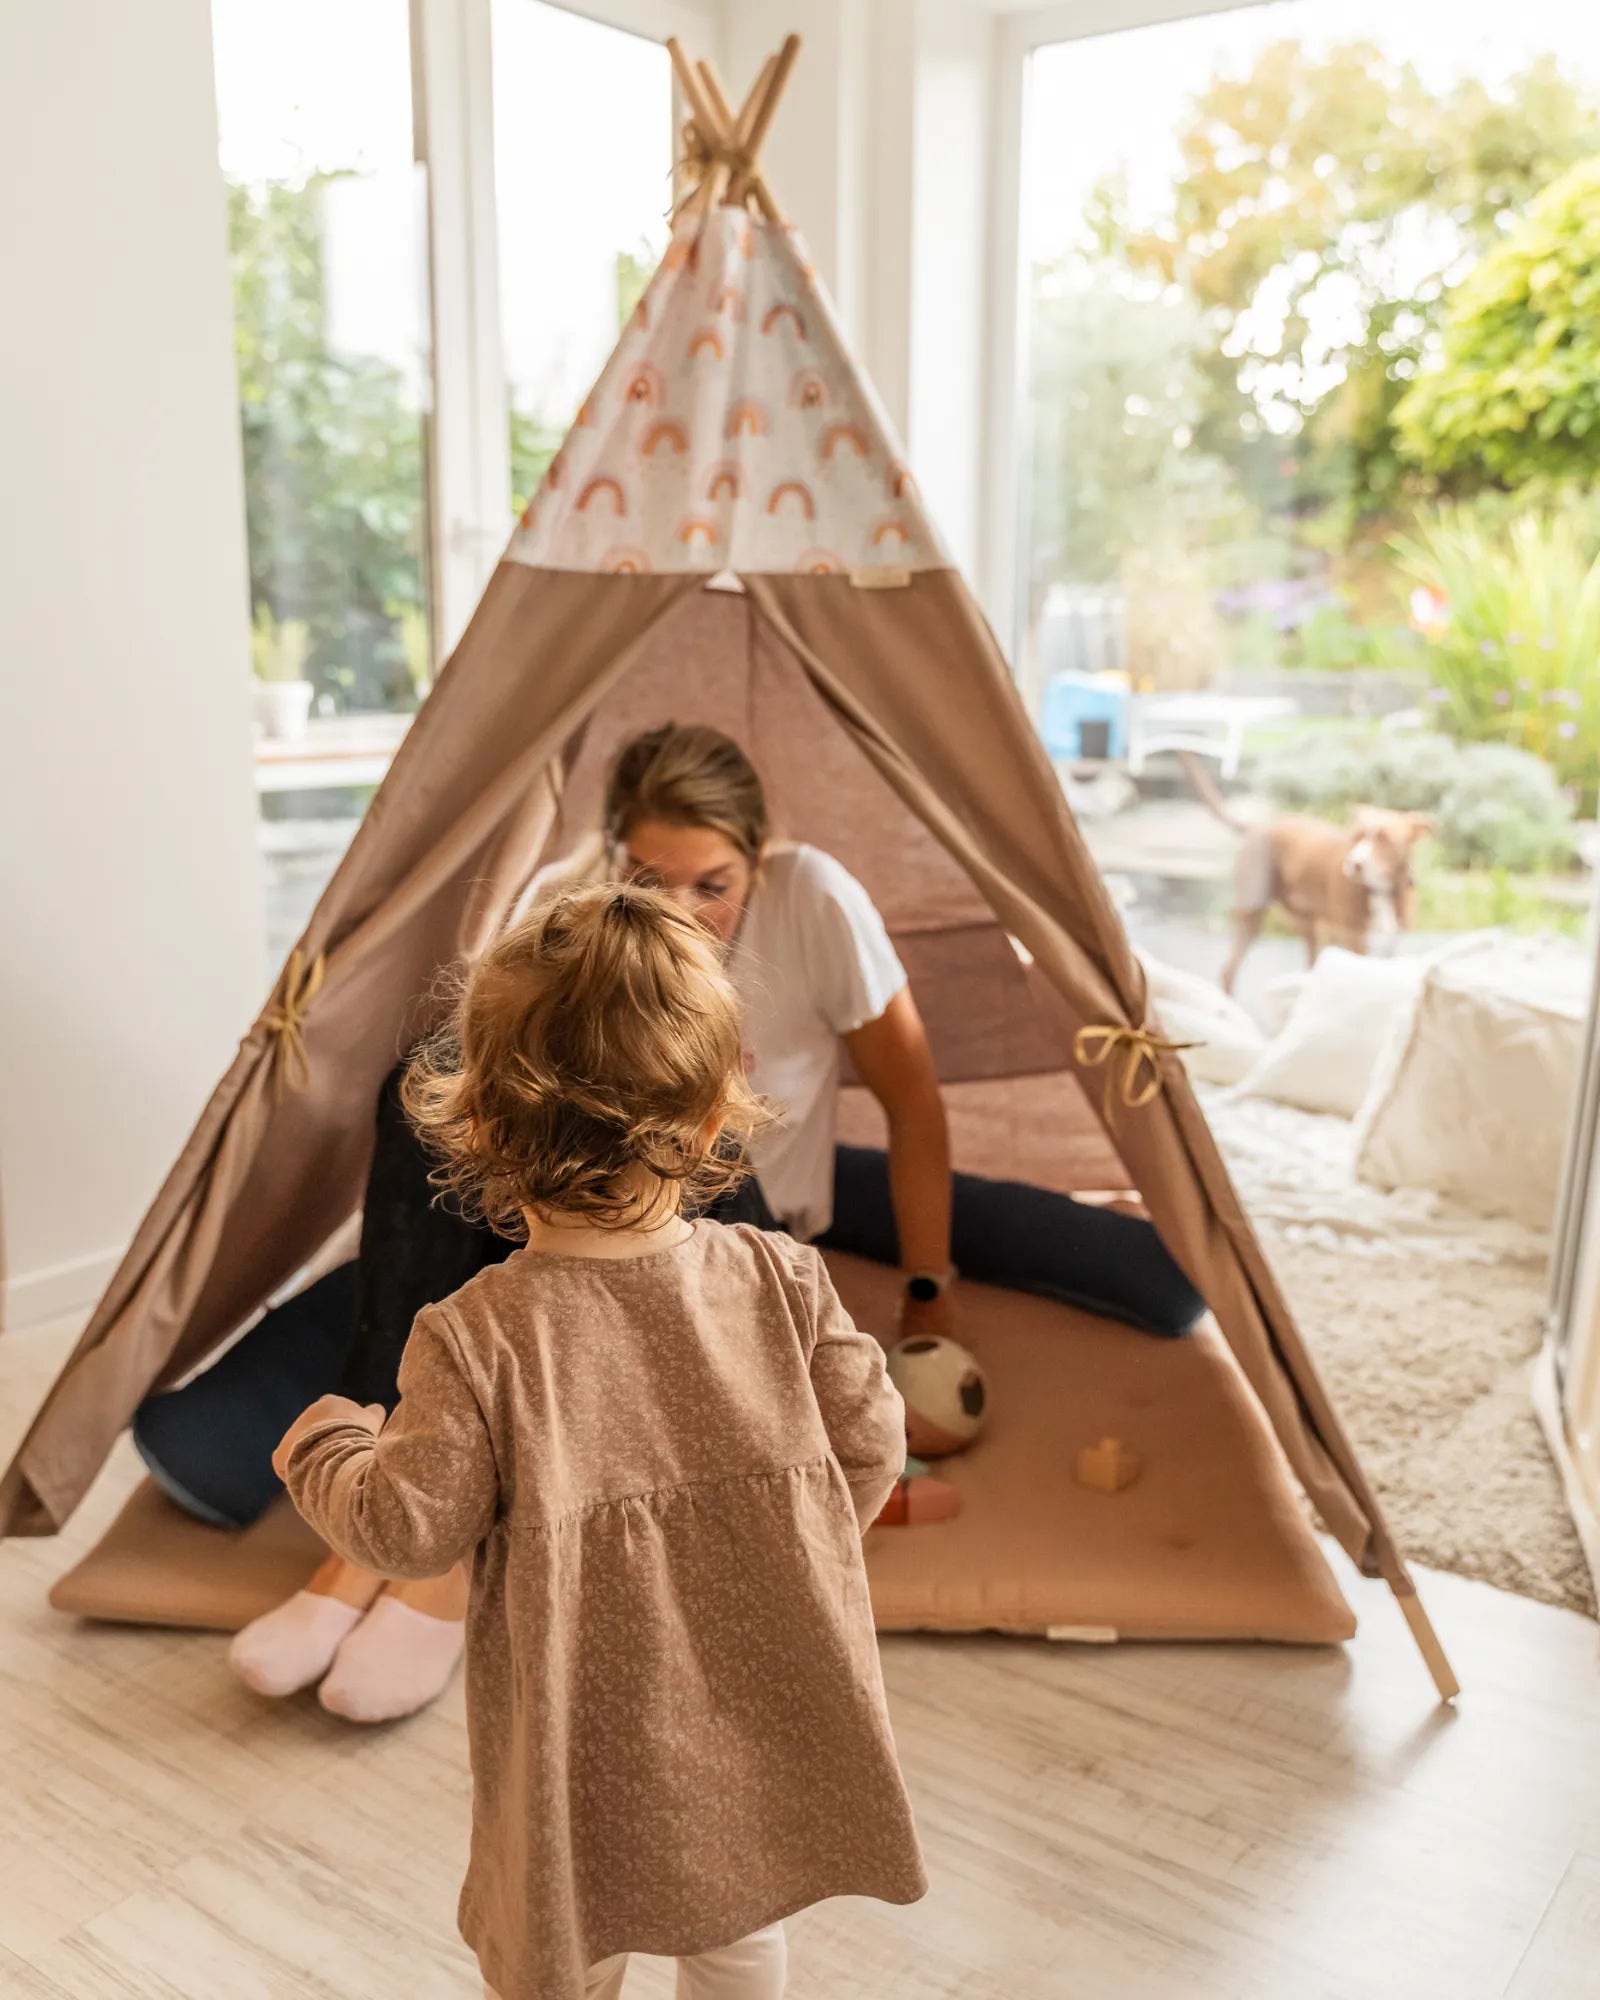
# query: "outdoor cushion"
[[1474, 1095], [1324, 1057]]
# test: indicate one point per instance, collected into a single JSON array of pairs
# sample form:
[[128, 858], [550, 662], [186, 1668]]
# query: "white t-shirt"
[[812, 962]]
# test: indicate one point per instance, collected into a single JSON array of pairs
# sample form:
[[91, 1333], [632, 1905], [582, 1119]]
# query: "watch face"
[[923, 1290]]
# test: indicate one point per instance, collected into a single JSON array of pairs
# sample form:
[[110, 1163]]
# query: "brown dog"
[[1348, 885]]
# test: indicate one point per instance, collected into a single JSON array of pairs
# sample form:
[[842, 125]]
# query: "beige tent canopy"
[[730, 534]]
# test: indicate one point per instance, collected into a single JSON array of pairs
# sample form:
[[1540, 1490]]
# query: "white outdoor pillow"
[[1337, 1028], [1473, 1096], [1276, 1001], [1191, 1009]]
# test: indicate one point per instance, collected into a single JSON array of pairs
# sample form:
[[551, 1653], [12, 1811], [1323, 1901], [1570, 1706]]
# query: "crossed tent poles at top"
[[722, 148]]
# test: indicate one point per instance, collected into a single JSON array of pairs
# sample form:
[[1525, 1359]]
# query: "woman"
[[818, 977], [817, 974]]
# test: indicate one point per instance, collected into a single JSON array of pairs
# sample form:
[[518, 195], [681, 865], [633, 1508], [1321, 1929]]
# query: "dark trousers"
[[210, 1443]]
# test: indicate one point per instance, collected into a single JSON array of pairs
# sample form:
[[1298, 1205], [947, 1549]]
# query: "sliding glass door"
[[1311, 443]]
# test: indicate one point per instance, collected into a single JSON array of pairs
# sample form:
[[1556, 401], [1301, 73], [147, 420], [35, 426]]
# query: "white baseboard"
[[35, 1298]]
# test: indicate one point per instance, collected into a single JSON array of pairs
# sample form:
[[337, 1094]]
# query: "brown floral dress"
[[661, 1467]]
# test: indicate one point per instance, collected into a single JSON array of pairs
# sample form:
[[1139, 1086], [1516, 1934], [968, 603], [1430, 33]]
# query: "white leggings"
[[752, 1969]]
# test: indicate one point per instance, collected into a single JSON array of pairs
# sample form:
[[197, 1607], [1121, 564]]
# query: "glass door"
[[583, 165], [327, 228], [1311, 567]]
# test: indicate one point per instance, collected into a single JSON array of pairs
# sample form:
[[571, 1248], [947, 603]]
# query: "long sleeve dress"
[[661, 1467]]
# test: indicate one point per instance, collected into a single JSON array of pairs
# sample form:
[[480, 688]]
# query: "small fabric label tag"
[[880, 579]]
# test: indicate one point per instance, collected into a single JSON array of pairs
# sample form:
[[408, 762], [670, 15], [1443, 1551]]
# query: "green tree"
[[534, 442], [333, 457], [536, 437], [1326, 200], [1117, 392], [1515, 394]]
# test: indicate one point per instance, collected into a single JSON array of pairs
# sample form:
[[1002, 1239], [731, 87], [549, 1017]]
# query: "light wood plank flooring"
[[1158, 1823]]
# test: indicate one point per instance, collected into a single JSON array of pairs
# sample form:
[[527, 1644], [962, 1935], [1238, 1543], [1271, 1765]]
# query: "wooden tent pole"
[[717, 97], [699, 110], [767, 205], [739, 186], [709, 130], [1427, 1640], [774, 90], [754, 121]]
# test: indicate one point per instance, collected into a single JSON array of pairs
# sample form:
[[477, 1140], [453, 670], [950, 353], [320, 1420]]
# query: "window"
[[327, 234], [582, 210], [373, 497], [1274, 511]]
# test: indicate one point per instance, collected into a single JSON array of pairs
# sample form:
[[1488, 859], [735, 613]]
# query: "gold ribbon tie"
[[300, 985], [1139, 1080]]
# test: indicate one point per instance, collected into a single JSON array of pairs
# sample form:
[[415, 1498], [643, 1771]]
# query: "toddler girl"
[[659, 1441]]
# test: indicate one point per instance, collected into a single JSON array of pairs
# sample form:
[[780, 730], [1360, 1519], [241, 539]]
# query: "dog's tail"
[[1206, 791]]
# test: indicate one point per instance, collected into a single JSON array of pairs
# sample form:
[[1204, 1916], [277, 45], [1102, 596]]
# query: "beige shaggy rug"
[[1428, 1362]]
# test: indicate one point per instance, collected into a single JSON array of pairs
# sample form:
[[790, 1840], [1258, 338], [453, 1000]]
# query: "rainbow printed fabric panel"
[[729, 430]]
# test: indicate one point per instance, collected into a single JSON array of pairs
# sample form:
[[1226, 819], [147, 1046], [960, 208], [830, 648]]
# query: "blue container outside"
[[1084, 716]]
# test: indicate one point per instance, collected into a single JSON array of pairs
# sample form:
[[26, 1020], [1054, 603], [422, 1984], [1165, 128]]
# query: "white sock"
[[292, 1645], [396, 1661]]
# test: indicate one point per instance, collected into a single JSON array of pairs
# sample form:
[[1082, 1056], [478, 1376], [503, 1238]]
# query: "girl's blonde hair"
[[597, 1038], [687, 775]]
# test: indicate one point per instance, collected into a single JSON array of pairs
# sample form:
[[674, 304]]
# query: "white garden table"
[[1210, 725]]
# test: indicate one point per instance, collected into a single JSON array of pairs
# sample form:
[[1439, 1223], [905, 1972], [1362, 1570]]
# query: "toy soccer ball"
[[945, 1393]]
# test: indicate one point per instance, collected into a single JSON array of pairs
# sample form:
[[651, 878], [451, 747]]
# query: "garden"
[[1323, 422], [335, 462]]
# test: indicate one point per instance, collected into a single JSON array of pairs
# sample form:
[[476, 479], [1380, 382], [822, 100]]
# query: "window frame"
[[1006, 466], [452, 81]]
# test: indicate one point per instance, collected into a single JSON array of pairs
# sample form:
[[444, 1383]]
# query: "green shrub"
[[1514, 647], [1493, 806], [1504, 809], [1331, 641], [1514, 393], [1483, 899]]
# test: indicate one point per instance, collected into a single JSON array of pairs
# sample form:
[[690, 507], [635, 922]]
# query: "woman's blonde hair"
[[687, 775], [597, 1038]]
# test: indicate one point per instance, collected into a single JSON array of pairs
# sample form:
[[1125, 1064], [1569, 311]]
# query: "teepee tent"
[[730, 534]]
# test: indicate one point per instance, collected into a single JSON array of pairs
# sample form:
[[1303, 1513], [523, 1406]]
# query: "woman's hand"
[[369, 1416]]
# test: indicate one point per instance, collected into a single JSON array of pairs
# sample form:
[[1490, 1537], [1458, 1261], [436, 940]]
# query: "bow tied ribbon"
[[301, 984], [1138, 1080]]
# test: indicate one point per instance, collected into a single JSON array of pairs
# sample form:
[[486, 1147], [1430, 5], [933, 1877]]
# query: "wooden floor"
[[1158, 1823]]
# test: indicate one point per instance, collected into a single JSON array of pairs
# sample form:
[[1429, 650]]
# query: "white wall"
[[951, 169], [129, 903]]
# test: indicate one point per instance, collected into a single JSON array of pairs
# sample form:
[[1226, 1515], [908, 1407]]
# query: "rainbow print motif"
[[729, 430]]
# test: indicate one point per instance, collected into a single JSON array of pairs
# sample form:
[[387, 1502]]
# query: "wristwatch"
[[923, 1287]]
